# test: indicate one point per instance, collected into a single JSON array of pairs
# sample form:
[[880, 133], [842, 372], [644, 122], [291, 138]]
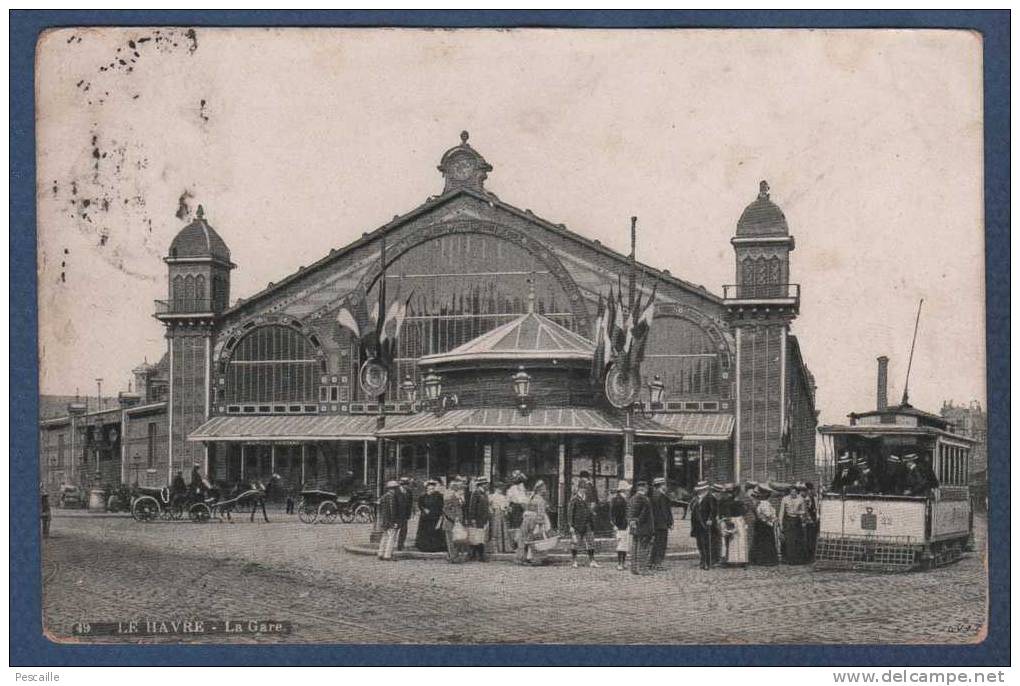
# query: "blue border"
[[28, 647]]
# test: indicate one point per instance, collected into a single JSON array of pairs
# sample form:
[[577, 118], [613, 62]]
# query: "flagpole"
[[633, 264], [380, 420], [628, 426]]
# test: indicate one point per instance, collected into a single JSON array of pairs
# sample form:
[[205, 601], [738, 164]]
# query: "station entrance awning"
[[546, 420], [697, 426], [287, 428]]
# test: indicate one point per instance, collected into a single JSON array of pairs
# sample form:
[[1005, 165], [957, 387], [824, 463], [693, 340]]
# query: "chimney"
[[883, 383]]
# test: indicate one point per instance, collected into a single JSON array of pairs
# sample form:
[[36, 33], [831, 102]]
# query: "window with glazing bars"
[[273, 364]]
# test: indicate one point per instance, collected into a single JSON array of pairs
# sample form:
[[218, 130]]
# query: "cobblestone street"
[[110, 568]]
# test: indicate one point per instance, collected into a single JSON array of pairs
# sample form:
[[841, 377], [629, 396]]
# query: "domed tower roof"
[[198, 239], [463, 167], [762, 217]]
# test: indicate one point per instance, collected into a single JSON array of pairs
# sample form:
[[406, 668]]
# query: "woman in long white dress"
[[734, 529]]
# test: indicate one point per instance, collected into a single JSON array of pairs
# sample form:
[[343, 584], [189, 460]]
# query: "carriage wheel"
[[176, 510], [346, 514], [307, 512], [199, 513], [328, 512], [145, 509], [364, 514]]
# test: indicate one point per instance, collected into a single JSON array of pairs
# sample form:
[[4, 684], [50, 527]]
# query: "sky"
[[296, 141]]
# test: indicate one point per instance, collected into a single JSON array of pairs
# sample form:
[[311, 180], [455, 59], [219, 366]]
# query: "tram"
[[878, 528]]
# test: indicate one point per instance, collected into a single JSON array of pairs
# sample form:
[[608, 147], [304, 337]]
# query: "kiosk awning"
[[697, 426], [546, 420], [287, 428]]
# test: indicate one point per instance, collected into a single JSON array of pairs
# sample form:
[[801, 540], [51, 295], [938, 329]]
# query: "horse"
[[245, 493]]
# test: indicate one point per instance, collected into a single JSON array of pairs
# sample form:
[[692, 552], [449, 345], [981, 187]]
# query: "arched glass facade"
[[272, 363]]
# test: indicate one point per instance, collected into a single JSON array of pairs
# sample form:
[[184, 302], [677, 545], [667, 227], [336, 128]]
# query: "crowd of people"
[[732, 524], [910, 475]]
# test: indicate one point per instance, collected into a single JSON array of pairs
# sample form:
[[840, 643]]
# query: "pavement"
[[110, 568]]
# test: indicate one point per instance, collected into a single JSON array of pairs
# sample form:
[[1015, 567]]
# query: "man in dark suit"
[[662, 517], [914, 480], [642, 527], [581, 519], [404, 504], [703, 519], [478, 516]]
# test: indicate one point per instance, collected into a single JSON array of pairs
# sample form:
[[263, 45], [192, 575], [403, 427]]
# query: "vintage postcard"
[[373, 336]]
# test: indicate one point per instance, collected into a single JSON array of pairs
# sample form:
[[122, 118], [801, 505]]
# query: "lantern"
[[522, 386], [409, 388], [656, 389], [433, 386]]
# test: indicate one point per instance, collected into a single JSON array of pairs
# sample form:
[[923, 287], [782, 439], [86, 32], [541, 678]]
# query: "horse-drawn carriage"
[[209, 501], [149, 503], [72, 496], [326, 506]]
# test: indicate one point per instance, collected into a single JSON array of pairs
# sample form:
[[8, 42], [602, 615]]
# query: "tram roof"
[[880, 430]]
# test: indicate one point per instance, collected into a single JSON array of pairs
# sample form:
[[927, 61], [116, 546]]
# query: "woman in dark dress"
[[763, 537], [430, 537]]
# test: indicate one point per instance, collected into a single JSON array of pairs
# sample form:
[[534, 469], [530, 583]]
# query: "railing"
[[780, 291], [184, 306]]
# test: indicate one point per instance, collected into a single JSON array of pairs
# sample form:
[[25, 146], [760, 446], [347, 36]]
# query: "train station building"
[[492, 369]]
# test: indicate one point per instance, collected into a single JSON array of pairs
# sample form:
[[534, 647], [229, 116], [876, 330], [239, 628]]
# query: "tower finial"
[[464, 137], [763, 190], [200, 212]]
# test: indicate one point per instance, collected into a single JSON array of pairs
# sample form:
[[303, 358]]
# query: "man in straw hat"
[[641, 527], [388, 521], [662, 517], [581, 520], [618, 515], [405, 506], [477, 519], [915, 479], [703, 519]]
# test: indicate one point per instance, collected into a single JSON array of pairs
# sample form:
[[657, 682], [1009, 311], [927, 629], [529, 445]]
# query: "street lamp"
[[656, 389], [522, 387]]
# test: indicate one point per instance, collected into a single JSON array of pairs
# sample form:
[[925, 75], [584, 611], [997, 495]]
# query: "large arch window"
[[463, 285], [684, 356], [273, 364]]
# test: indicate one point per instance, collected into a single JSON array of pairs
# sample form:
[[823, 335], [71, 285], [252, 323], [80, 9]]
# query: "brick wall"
[[138, 455], [188, 398], [759, 424], [803, 419], [55, 457]]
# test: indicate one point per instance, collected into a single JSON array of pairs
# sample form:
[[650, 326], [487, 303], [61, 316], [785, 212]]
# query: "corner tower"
[[198, 289], [760, 307]]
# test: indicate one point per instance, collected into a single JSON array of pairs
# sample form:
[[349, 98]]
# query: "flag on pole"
[[346, 319], [599, 339]]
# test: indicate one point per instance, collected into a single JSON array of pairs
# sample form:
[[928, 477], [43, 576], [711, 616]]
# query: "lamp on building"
[[433, 386], [434, 392], [522, 387], [410, 389], [656, 389]]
